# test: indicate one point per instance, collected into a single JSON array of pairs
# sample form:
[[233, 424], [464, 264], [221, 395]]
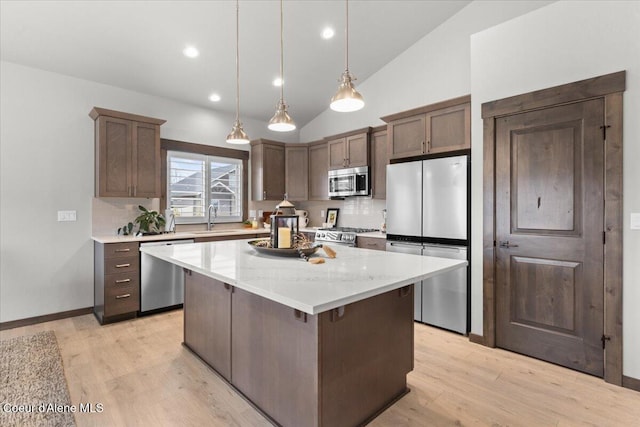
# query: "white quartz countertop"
[[182, 235], [354, 274]]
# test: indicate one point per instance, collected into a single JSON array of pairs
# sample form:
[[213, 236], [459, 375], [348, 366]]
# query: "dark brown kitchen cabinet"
[[207, 320], [349, 150], [436, 128], [127, 154], [116, 281], [297, 171], [318, 171], [230, 237], [379, 161], [267, 170]]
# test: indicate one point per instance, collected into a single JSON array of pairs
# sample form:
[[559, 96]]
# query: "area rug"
[[33, 389]]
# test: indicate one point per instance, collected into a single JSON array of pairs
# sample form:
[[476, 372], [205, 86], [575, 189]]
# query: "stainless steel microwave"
[[349, 182]]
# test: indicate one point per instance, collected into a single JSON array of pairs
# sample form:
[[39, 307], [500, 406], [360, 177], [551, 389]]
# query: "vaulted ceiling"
[[137, 45]]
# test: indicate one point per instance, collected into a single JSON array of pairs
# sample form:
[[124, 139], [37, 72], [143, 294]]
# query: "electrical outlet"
[[252, 213], [322, 214], [634, 223], [260, 213], [66, 216]]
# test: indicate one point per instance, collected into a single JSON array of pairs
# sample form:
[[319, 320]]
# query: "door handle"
[[506, 244]]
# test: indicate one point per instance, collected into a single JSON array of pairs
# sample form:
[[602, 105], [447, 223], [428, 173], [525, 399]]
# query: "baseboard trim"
[[476, 339], [630, 382], [46, 318]]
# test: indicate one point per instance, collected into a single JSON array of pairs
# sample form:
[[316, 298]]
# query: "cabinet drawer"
[[117, 250], [121, 300], [372, 243], [121, 265], [121, 280]]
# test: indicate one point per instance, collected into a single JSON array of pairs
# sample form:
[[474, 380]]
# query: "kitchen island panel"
[[275, 358], [207, 321], [366, 352]]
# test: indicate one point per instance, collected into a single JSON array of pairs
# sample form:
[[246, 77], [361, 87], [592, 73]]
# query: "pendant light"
[[347, 98], [237, 135], [281, 121]]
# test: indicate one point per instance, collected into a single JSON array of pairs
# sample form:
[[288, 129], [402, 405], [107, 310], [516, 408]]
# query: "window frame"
[[208, 150]]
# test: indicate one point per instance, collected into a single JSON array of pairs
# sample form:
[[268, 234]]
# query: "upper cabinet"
[[436, 128], [127, 154], [296, 171], [267, 170], [318, 171], [379, 161], [349, 150]]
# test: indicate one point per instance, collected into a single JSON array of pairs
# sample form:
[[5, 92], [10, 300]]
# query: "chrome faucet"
[[209, 220]]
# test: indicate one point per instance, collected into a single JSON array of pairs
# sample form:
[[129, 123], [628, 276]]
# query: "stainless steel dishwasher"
[[161, 283]]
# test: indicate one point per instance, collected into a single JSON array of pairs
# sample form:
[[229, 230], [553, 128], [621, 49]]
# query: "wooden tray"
[[282, 252]]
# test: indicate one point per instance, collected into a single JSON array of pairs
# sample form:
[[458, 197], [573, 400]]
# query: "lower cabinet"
[[116, 281], [371, 243], [221, 238], [207, 320], [338, 368]]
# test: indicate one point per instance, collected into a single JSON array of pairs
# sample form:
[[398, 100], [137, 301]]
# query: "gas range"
[[340, 235]]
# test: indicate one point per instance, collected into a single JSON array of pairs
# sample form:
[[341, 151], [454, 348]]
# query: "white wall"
[[562, 43], [434, 69], [46, 165]]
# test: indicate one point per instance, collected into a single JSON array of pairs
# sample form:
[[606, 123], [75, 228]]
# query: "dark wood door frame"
[[609, 88]]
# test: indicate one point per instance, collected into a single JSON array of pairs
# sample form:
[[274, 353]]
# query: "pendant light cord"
[[346, 54], [237, 61], [281, 54]]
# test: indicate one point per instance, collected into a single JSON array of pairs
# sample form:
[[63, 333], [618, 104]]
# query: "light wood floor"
[[143, 376]]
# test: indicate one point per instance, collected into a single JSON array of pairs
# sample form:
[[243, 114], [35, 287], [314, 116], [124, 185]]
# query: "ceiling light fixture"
[[237, 135], [328, 33], [277, 82], [214, 97], [190, 52], [347, 98], [281, 121]]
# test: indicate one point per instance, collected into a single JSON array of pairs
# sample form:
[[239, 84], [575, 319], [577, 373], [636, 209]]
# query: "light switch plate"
[[66, 216], [635, 221], [260, 213], [252, 213]]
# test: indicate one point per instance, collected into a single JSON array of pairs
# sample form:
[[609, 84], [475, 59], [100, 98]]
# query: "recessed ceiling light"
[[328, 33], [277, 82], [214, 97], [191, 52]]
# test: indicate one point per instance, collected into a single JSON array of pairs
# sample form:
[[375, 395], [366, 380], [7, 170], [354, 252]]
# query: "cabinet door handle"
[[123, 296], [264, 195], [506, 244], [123, 250], [300, 315], [135, 190], [123, 265], [123, 280]]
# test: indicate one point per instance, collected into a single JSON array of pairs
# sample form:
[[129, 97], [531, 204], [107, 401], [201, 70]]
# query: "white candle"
[[284, 237]]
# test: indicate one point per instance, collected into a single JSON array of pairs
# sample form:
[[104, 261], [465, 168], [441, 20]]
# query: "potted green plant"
[[148, 222]]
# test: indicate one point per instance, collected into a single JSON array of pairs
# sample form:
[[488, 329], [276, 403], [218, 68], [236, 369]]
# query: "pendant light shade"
[[237, 135], [347, 98], [281, 121]]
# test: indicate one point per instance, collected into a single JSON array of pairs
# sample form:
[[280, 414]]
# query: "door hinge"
[[604, 339], [604, 131]]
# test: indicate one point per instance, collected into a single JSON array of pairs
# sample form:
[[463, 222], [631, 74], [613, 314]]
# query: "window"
[[197, 181]]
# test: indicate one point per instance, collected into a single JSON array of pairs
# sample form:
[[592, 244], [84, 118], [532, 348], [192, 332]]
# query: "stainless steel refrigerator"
[[428, 214]]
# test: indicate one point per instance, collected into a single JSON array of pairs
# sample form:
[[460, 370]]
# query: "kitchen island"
[[309, 344]]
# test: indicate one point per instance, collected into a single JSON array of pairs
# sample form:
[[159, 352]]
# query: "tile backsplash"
[[111, 213], [353, 211]]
